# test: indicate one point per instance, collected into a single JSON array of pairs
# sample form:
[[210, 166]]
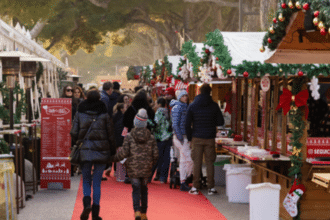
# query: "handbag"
[[75, 152]]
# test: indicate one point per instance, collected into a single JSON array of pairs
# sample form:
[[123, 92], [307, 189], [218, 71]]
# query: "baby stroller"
[[175, 174]]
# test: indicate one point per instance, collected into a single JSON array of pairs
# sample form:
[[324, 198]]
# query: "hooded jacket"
[[141, 151], [161, 125], [99, 144], [205, 115], [178, 115]]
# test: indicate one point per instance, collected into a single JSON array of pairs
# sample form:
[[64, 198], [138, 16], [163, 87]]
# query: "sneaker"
[[156, 178], [194, 191], [127, 180], [212, 191], [184, 187], [104, 179]]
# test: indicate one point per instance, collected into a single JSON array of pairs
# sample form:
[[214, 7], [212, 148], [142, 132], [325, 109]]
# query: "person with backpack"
[[141, 151], [162, 130], [92, 130]]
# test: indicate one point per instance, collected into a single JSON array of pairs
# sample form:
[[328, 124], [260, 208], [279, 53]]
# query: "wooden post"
[[239, 105], [234, 105], [275, 102], [267, 101], [284, 123], [246, 95], [256, 107]]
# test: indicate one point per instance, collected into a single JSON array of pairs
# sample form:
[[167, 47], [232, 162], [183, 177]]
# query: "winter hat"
[[140, 120], [182, 93], [170, 91]]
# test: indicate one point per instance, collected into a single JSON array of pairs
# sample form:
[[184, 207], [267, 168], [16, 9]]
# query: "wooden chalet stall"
[[258, 119]]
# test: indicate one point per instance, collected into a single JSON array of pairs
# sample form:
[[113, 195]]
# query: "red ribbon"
[[300, 100], [228, 102]]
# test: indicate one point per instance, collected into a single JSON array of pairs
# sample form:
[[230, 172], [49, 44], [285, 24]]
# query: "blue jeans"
[[163, 164], [140, 194], [87, 180]]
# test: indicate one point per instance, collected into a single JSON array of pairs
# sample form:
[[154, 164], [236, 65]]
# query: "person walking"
[[78, 93], [68, 93], [141, 151], [91, 128], [105, 96], [113, 97], [180, 141], [203, 117], [163, 134]]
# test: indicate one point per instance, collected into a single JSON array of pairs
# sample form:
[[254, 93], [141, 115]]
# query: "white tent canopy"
[[242, 46]]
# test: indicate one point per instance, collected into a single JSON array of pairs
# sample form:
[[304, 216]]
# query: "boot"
[[144, 216], [137, 215], [95, 212], [87, 208]]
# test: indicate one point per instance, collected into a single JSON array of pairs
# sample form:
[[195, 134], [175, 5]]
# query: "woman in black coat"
[[96, 148], [140, 100]]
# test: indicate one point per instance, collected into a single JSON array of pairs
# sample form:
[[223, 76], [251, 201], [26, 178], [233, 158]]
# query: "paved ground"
[[59, 204], [51, 204]]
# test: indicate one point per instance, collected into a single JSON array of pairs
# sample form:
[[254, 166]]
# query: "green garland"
[[189, 51], [146, 75], [130, 73], [278, 30], [20, 105], [4, 147], [257, 69], [168, 66], [221, 52], [295, 116]]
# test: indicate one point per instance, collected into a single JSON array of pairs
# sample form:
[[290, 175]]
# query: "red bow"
[[300, 100]]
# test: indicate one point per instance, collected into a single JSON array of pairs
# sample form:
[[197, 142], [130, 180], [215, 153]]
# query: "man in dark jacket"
[[105, 96], [113, 98], [205, 115]]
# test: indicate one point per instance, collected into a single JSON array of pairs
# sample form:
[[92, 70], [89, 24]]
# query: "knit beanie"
[[170, 91], [182, 93], [140, 120]]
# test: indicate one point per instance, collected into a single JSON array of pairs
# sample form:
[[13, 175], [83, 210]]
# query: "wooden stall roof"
[[314, 47]]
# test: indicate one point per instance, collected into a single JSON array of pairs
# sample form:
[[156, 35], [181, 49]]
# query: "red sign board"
[[55, 142], [318, 147]]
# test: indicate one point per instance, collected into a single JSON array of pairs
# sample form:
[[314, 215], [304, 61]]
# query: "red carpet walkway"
[[164, 203]]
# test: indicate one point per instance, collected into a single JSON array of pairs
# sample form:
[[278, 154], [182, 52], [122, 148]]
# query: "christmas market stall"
[[287, 122]]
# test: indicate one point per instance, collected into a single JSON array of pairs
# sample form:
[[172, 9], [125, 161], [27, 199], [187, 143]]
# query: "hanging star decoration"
[[296, 151]]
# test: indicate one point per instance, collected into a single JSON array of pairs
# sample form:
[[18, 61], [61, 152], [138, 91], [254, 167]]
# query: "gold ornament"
[[292, 164], [329, 30], [298, 6], [262, 49], [280, 70], [271, 30], [315, 21], [280, 17], [321, 25], [291, 6], [296, 151]]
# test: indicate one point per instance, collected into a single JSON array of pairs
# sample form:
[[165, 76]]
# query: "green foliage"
[[168, 66], [130, 73], [215, 40], [62, 76], [4, 147], [189, 51], [323, 6], [20, 105], [257, 69], [146, 75]]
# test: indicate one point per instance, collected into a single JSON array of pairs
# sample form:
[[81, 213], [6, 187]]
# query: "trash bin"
[[264, 201], [232, 166], [7, 193], [238, 180], [219, 172]]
